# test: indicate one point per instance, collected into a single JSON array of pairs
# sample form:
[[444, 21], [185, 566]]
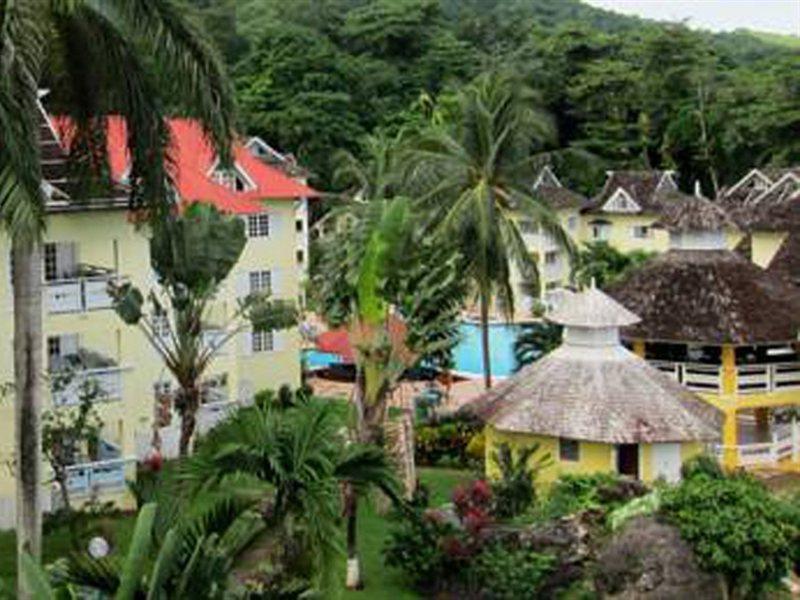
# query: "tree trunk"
[[190, 402], [28, 378], [487, 364], [353, 578]]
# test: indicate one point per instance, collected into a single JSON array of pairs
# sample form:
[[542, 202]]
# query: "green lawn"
[[380, 582], [57, 543]]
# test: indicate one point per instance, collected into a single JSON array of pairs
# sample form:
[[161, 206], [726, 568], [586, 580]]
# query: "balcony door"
[[60, 260]]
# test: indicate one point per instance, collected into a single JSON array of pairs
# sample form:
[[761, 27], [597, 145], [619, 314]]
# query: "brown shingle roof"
[[644, 187], [681, 212], [708, 296], [786, 262], [603, 395], [558, 197]]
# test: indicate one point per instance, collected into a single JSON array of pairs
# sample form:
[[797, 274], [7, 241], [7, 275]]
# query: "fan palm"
[[131, 57], [300, 457], [475, 176]]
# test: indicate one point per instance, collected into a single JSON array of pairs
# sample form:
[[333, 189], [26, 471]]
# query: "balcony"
[[95, 477], [750, 379], [784, 445], [697, 377], [87, 290], [72, 375]]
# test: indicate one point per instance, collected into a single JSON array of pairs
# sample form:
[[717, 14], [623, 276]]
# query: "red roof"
[[337, 341], [194, 159]]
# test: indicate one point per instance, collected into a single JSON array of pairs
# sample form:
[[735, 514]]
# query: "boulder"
[[648, 560]]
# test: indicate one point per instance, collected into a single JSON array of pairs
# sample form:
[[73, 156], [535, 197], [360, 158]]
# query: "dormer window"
[[621, 202], [234, 178]]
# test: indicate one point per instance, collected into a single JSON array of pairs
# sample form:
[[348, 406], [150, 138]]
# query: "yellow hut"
[[592, 405]]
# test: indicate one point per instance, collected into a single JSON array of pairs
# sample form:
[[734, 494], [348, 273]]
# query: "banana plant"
[[192, 254]]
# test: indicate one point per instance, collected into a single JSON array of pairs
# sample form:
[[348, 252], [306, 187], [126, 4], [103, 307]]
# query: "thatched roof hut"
[[708, 297], [592, 388]]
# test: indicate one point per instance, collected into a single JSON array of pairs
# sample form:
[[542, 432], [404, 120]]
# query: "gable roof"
[[681, 212], [193, 162], [553, 193], [643, 187]]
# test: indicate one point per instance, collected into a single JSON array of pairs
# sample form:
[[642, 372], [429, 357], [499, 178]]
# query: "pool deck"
[[461, 392]]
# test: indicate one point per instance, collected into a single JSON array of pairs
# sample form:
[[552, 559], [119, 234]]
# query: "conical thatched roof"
[[593, 309], [710, 297], [603, 395]]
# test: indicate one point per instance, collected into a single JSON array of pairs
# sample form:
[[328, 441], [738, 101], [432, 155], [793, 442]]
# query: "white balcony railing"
[[78, 295], [784, 445], [750, 379], [104, 475], [108, 379]]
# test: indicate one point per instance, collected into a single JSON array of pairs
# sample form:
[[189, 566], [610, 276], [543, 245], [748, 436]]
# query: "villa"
[[91, 242], [725, 328], [592, 405]]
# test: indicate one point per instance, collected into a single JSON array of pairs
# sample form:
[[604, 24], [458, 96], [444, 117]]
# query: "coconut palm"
[[301, 457], [131, 57], [474, 177]]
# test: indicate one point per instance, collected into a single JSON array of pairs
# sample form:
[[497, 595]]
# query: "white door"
[[667, 462]]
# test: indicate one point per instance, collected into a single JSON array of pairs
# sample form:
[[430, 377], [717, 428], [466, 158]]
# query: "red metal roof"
[[194, 159]]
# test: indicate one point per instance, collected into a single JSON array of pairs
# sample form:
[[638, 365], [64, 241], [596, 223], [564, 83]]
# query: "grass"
[[380, 582], [56, 543]]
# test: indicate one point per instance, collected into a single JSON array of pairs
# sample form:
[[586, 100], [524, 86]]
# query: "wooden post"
[[638, 348], [730, 440], [795, 440], [728, 369]]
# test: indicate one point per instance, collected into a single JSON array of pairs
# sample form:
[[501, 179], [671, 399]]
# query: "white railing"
[[212, 414], [750, 379], [78, 295], [785, 445], [97, 476], [695, 376], [108, 380]]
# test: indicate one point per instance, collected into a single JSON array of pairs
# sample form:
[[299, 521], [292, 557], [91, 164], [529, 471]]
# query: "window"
[[262, 341], [258, 225], [601, 231], [59, 261], [299, 225], [551, 258], [234, 179], [572, 223], [641, 231], [59, 347], [569, 450], [300, 257], [528, 227], [260, 282], [161, 324]]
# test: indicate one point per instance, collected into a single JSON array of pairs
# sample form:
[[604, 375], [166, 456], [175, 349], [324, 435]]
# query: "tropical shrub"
[[737, 529], [503, 573], [603, 492], [702, 464], [446, 441], [514, 491]]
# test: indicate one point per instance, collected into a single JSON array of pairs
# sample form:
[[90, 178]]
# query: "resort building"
[[552, 259], [88, 243], [725, 328], [592, 405]]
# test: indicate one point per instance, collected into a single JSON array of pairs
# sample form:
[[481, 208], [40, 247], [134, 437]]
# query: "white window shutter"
[[279, 341], [245, 343], [275, 224], [242, 284], [69, 344], [277, 282]]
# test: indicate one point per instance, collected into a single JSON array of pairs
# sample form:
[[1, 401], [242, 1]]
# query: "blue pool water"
[[467, 354]]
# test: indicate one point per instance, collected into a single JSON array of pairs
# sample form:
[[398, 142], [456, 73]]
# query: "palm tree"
[[534, 341], [300, 457], [132, 57], [475, 175], [192, 254]]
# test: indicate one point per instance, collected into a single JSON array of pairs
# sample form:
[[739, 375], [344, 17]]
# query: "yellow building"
[[592, 405], [89, 243], [725, 328]]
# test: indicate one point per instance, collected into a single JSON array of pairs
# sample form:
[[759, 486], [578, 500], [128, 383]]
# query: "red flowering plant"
[[473, 503]]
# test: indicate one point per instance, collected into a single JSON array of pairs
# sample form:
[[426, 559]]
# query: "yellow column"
[[728, 369], [638, 348], [730, 440]]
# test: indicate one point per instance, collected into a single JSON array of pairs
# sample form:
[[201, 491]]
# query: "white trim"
[[667, 176], [259, 142], [618, 202], [783, 180], [546, 172], [240, 171], [744, 180]]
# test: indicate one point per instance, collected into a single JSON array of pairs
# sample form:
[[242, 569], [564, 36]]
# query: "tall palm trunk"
[[353, 580], [485, 347], [190, 402], [28, 377]]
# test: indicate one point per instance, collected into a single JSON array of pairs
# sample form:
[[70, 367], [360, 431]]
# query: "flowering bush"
[[445, 442]]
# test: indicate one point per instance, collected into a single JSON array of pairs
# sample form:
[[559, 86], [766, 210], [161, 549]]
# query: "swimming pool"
[[467, 354]]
